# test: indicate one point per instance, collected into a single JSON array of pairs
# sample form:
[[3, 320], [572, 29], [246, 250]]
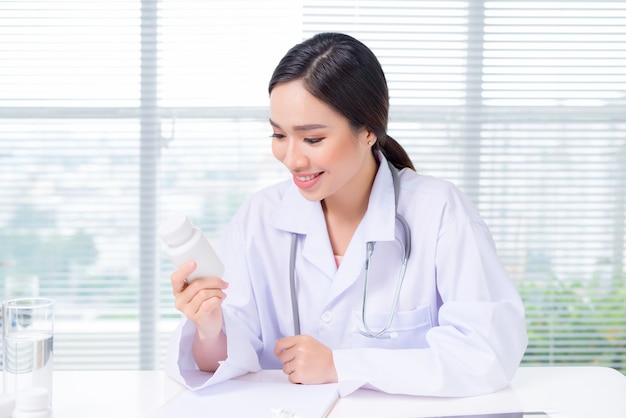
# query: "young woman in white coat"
[[357, 269]]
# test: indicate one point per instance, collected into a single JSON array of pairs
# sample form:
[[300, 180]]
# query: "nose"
[[294, 157]]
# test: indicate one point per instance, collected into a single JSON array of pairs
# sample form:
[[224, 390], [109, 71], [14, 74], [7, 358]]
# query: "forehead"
[[291, 105]]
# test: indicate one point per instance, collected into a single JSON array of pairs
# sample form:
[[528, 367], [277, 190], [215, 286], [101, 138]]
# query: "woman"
[[456, 326]]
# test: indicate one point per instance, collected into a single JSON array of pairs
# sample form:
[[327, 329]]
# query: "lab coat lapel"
[[296, 214], [317, 249], [377, 225]]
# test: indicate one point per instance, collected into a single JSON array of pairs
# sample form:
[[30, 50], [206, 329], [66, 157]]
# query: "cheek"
[[344, 152]]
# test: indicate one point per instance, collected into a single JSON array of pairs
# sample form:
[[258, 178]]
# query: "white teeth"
[[307, 178]]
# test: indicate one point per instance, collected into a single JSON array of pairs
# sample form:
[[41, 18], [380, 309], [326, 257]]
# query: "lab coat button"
[[327, 316]]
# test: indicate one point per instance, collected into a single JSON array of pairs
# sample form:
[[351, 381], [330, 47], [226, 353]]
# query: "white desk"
[[573, 392]]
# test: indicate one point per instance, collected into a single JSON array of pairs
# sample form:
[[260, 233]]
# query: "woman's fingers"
[[199, 300], [205, 300], [179, 277], [306, 360], [190, 297]]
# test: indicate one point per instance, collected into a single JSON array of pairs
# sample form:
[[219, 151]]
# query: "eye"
[[277, 136], [314, 140]]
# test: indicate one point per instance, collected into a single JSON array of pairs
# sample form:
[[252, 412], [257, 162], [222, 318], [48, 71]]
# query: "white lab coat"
[[460, 327]]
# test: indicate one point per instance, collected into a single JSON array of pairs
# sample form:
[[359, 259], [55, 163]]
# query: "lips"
[[306, 181], [307, 178]]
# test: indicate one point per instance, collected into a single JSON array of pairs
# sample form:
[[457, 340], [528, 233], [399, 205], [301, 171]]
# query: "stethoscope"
[[369, 250]]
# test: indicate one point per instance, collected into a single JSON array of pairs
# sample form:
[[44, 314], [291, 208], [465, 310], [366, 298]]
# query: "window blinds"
[[114, 114], [523, 105]]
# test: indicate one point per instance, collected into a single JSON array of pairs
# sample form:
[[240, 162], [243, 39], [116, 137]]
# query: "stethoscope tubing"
[[369, 250], [292, 285]]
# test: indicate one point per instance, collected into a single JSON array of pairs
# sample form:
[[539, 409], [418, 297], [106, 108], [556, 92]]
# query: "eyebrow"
[[308, 127]]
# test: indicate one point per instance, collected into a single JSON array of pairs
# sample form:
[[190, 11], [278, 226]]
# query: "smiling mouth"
[[307, 178]]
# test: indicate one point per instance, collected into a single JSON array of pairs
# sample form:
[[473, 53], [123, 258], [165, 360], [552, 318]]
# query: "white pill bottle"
[[185, 243]]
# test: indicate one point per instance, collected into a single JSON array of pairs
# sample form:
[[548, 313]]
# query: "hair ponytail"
[[394, 153]]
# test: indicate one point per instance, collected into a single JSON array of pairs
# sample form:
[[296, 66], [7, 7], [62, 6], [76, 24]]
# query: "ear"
[[367, 136]]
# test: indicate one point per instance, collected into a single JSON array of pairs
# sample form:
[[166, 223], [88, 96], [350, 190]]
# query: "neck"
[[344, 210]]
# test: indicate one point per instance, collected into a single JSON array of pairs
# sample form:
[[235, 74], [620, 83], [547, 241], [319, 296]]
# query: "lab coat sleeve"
[[240, 317], [181, 365], [478, 342]]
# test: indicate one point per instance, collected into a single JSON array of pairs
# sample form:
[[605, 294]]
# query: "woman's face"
[[316, 143]]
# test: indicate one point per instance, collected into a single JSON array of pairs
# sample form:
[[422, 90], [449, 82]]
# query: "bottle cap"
[[175, 230], [32, 399]]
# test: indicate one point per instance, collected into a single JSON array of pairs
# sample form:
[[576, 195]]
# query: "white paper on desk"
[[240, 398]]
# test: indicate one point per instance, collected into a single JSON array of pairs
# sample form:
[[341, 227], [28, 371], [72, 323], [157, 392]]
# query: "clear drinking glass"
[[27, 336]]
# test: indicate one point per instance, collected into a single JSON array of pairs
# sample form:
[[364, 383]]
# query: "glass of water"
[[27, 336]]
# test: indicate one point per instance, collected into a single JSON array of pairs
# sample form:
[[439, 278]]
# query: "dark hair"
[[345, 74]]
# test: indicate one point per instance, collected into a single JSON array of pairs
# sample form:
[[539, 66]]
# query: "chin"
[[310, 195]]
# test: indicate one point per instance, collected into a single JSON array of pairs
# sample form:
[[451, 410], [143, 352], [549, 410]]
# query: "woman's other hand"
[[306, 360]]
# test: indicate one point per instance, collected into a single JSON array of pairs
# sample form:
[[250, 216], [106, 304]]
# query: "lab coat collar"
[[379, 221], [295, 214], [299, 215], [378, 225]]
